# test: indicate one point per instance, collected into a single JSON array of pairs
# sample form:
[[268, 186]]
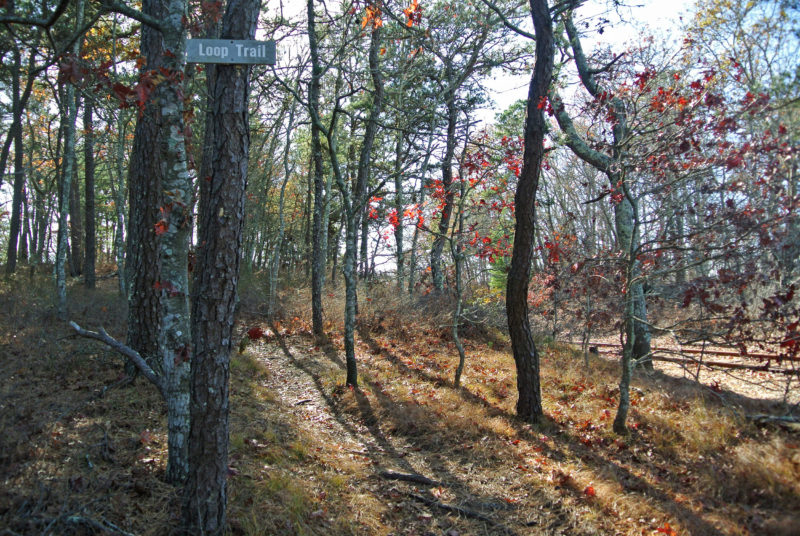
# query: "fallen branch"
[[410, 477], [763, 419], [466, 512], [105, 525], [127, 351]]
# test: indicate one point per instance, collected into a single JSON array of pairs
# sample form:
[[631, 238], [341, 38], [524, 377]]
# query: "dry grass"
[[307, 453]]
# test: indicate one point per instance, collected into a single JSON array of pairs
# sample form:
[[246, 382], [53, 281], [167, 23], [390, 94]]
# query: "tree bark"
[[19, 172], [75, 216], [624, 211], [71, 117], [175, 224], [529, 404], [88, 159], [437, 248], [221, 213], [318, 253], [399, 207], [145, 170]]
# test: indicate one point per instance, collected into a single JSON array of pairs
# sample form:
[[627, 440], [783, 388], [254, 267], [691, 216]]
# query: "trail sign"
[[230, 51]]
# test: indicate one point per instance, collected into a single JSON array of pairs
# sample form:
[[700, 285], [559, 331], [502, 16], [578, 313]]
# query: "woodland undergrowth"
[[80, 454]]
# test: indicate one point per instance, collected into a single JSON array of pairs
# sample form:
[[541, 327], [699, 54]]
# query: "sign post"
[[230, 51]]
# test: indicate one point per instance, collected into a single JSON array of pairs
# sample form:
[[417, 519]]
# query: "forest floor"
[[405, 454]]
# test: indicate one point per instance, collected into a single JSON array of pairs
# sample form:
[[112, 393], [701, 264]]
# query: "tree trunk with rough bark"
[[145, 170], [221, 213], [529, 403], [437, 248]]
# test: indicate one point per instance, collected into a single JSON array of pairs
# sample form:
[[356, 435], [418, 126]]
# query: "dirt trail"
[[459, 500]]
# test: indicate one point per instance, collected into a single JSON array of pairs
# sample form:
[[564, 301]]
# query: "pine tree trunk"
[[529, 404], [145, 169], [216, 277]]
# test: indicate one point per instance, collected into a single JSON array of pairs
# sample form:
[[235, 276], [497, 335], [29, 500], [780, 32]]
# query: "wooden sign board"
[[231, 51]]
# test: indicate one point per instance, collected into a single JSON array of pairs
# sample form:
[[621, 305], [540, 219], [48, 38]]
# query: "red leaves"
[[666, 529], [393, 220], [146, 437], [641, 79], [589, 491], [255, 333], [69, 70], [160, 227], [212, 11]]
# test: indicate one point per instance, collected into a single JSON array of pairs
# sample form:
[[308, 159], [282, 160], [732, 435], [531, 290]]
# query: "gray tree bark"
[[318, 251], [88, 162], [71, 117]]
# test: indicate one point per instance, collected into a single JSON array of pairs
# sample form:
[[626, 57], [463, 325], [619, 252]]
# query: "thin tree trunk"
[[118, 193], [88, 158], [275, 262], [399, 207], [437, 248], [25, 237], [318, 253], [529, 404], [19, 173], [71, 117]]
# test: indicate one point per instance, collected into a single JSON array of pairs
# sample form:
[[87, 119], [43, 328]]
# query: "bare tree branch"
[[32, 21], [127, 351], [135, 14], [507, 23]]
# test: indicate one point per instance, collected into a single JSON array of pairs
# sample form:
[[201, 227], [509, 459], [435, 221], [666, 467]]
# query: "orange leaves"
[[372, 16], [666, 529], [413, 14], [160, 227]]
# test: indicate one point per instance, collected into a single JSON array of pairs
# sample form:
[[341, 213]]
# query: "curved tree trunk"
[[529, 404]]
